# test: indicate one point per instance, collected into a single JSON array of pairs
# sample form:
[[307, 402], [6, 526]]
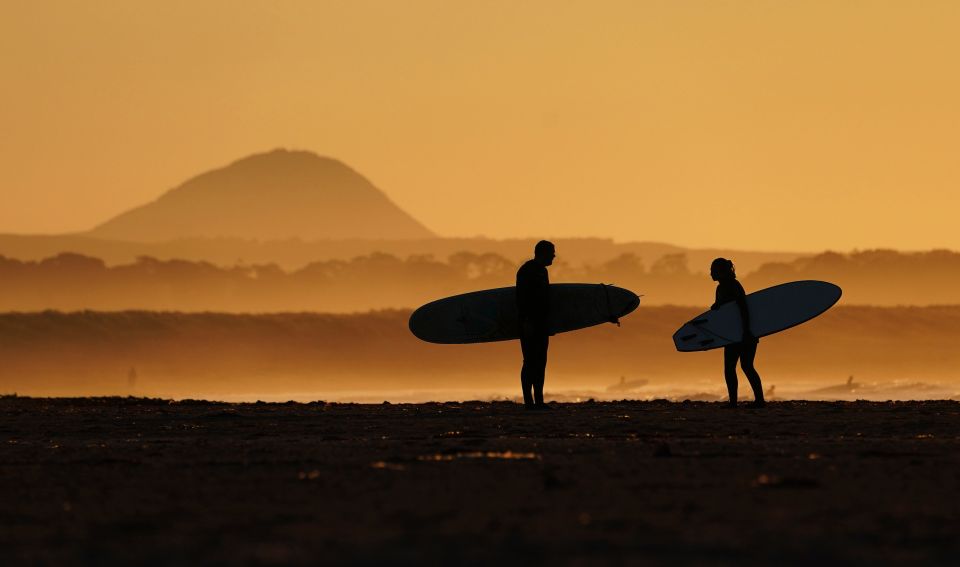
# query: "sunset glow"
[[796, 126]]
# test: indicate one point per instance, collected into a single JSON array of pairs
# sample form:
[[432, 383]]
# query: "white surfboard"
[[491, 315], [771, 310]]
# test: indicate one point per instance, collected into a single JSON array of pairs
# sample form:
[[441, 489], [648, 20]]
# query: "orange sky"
[[763, 125]]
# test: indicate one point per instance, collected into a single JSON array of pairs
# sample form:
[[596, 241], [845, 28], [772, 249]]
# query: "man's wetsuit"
[[533, 305], [729, 289]]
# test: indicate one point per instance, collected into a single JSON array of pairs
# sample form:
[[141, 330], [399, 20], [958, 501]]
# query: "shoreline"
[[694, 390]]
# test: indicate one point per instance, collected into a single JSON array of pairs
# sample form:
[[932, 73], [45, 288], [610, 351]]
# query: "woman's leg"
[[748, 352], [730, 355]]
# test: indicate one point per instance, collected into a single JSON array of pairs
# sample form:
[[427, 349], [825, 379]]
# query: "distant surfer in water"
[[533, 306], [729, 289]]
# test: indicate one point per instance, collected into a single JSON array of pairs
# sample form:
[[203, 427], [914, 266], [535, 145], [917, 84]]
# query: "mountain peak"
[[286, 157], [276, 195]]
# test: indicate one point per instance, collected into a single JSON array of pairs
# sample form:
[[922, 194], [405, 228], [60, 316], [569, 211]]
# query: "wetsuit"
[[745, 351], [533, 306]]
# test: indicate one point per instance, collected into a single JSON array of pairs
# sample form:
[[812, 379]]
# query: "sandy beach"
[[112, 481]]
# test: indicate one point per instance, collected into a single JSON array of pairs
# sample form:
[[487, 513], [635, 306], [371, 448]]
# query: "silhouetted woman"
[[729, 289]]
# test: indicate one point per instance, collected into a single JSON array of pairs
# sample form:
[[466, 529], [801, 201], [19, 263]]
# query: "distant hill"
[[293, 208], [272, 196]]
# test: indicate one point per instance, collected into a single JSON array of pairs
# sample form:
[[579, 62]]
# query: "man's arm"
[[540, 296]]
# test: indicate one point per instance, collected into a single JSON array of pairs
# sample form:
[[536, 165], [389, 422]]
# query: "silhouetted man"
[[533, 306]]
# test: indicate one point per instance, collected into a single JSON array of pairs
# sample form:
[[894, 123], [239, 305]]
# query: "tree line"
[[70, 281]]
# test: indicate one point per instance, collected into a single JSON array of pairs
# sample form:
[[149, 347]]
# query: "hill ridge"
[[275, 195]]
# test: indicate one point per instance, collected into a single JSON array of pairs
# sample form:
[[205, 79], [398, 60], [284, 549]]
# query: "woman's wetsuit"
[[729, 289]]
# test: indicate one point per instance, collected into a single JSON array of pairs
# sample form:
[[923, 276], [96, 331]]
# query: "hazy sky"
[[768, 125]]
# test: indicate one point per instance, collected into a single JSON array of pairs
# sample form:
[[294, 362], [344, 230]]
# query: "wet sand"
[[132, 481]]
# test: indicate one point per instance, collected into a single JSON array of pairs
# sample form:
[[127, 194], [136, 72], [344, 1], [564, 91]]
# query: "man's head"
[[544, 252]]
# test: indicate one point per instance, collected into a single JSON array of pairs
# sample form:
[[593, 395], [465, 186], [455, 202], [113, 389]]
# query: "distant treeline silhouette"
[[294, 254], [71, 281]]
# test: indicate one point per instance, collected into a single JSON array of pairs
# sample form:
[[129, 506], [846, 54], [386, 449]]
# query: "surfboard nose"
[[621, 302], [416, 322], [631, 303]]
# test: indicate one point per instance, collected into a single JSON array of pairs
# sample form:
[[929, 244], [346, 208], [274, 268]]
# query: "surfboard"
[[491, 315], [772, 310]]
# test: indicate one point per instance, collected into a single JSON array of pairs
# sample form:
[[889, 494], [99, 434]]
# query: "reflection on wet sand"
[[506, 455]]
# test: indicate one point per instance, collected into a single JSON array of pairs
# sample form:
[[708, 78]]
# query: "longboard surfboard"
[[771, 310], [491, 315]]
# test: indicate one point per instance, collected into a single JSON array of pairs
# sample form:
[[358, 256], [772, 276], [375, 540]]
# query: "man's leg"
[[527, 347], [542, 344]]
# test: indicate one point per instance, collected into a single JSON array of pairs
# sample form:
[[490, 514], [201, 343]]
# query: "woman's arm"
[[745, 317]]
